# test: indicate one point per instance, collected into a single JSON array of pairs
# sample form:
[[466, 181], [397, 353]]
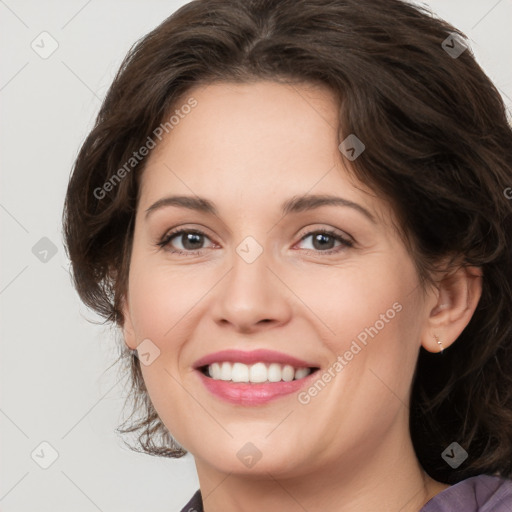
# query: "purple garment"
[[482, 493], [195, 504]]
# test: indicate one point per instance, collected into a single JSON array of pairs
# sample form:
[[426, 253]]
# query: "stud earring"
[[436, 337]]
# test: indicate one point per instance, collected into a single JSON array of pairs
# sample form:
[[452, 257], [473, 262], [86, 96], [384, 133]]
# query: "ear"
[[451, 307], [127, 327]]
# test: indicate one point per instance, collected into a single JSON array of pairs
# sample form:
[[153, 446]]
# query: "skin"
[[248, 148]]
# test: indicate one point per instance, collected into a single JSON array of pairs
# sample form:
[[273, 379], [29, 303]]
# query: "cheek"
[[370, 317], [160, 297], [161, 301], [353, 300]]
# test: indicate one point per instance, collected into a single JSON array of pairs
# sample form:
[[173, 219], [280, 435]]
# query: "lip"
[[254, 356], [251, 394]]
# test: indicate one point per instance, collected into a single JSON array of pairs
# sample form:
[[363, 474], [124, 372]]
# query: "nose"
[[252, 297]]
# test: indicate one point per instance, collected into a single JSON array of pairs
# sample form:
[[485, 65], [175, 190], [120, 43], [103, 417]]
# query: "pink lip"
[[255, 356], [251, 393]]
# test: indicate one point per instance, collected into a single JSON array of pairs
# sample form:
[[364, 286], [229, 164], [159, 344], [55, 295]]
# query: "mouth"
[[253, 378], [235, 385], [258, 373]]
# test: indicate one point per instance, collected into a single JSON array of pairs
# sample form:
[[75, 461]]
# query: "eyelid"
[[202, 230], [314, 228]]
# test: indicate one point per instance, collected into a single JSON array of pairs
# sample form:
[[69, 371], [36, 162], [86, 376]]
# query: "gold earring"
[[436, 337]]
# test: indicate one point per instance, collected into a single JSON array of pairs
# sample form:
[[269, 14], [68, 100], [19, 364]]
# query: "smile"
[[247, 393], [255, 373], [253, 378]]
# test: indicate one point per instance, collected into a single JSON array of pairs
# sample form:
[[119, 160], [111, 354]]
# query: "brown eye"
[[324, 240], [190, 240]]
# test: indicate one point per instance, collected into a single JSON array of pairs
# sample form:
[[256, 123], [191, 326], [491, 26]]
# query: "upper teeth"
[[258, 372]]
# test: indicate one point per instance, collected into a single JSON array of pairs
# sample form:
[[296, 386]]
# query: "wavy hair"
[[438, 148]]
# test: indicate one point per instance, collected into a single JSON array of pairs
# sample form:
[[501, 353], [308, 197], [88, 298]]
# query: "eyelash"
[[165, 241]]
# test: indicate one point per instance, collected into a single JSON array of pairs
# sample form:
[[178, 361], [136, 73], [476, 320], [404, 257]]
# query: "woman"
[[296, 212]]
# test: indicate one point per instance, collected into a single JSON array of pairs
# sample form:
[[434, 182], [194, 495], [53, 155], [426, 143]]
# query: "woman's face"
[[258, 277]]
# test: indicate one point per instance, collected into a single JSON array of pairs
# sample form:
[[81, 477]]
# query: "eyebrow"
[[295, 204]]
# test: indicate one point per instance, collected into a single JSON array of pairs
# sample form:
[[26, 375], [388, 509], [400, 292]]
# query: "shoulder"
[[195, 504], [482, 493]]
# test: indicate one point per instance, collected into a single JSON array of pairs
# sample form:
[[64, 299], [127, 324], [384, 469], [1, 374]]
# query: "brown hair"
[[438, 147]]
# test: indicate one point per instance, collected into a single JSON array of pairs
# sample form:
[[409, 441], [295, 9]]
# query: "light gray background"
[[55, 386]]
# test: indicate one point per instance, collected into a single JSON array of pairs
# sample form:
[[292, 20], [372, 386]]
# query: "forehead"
[[252, 121], [264, 139]]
